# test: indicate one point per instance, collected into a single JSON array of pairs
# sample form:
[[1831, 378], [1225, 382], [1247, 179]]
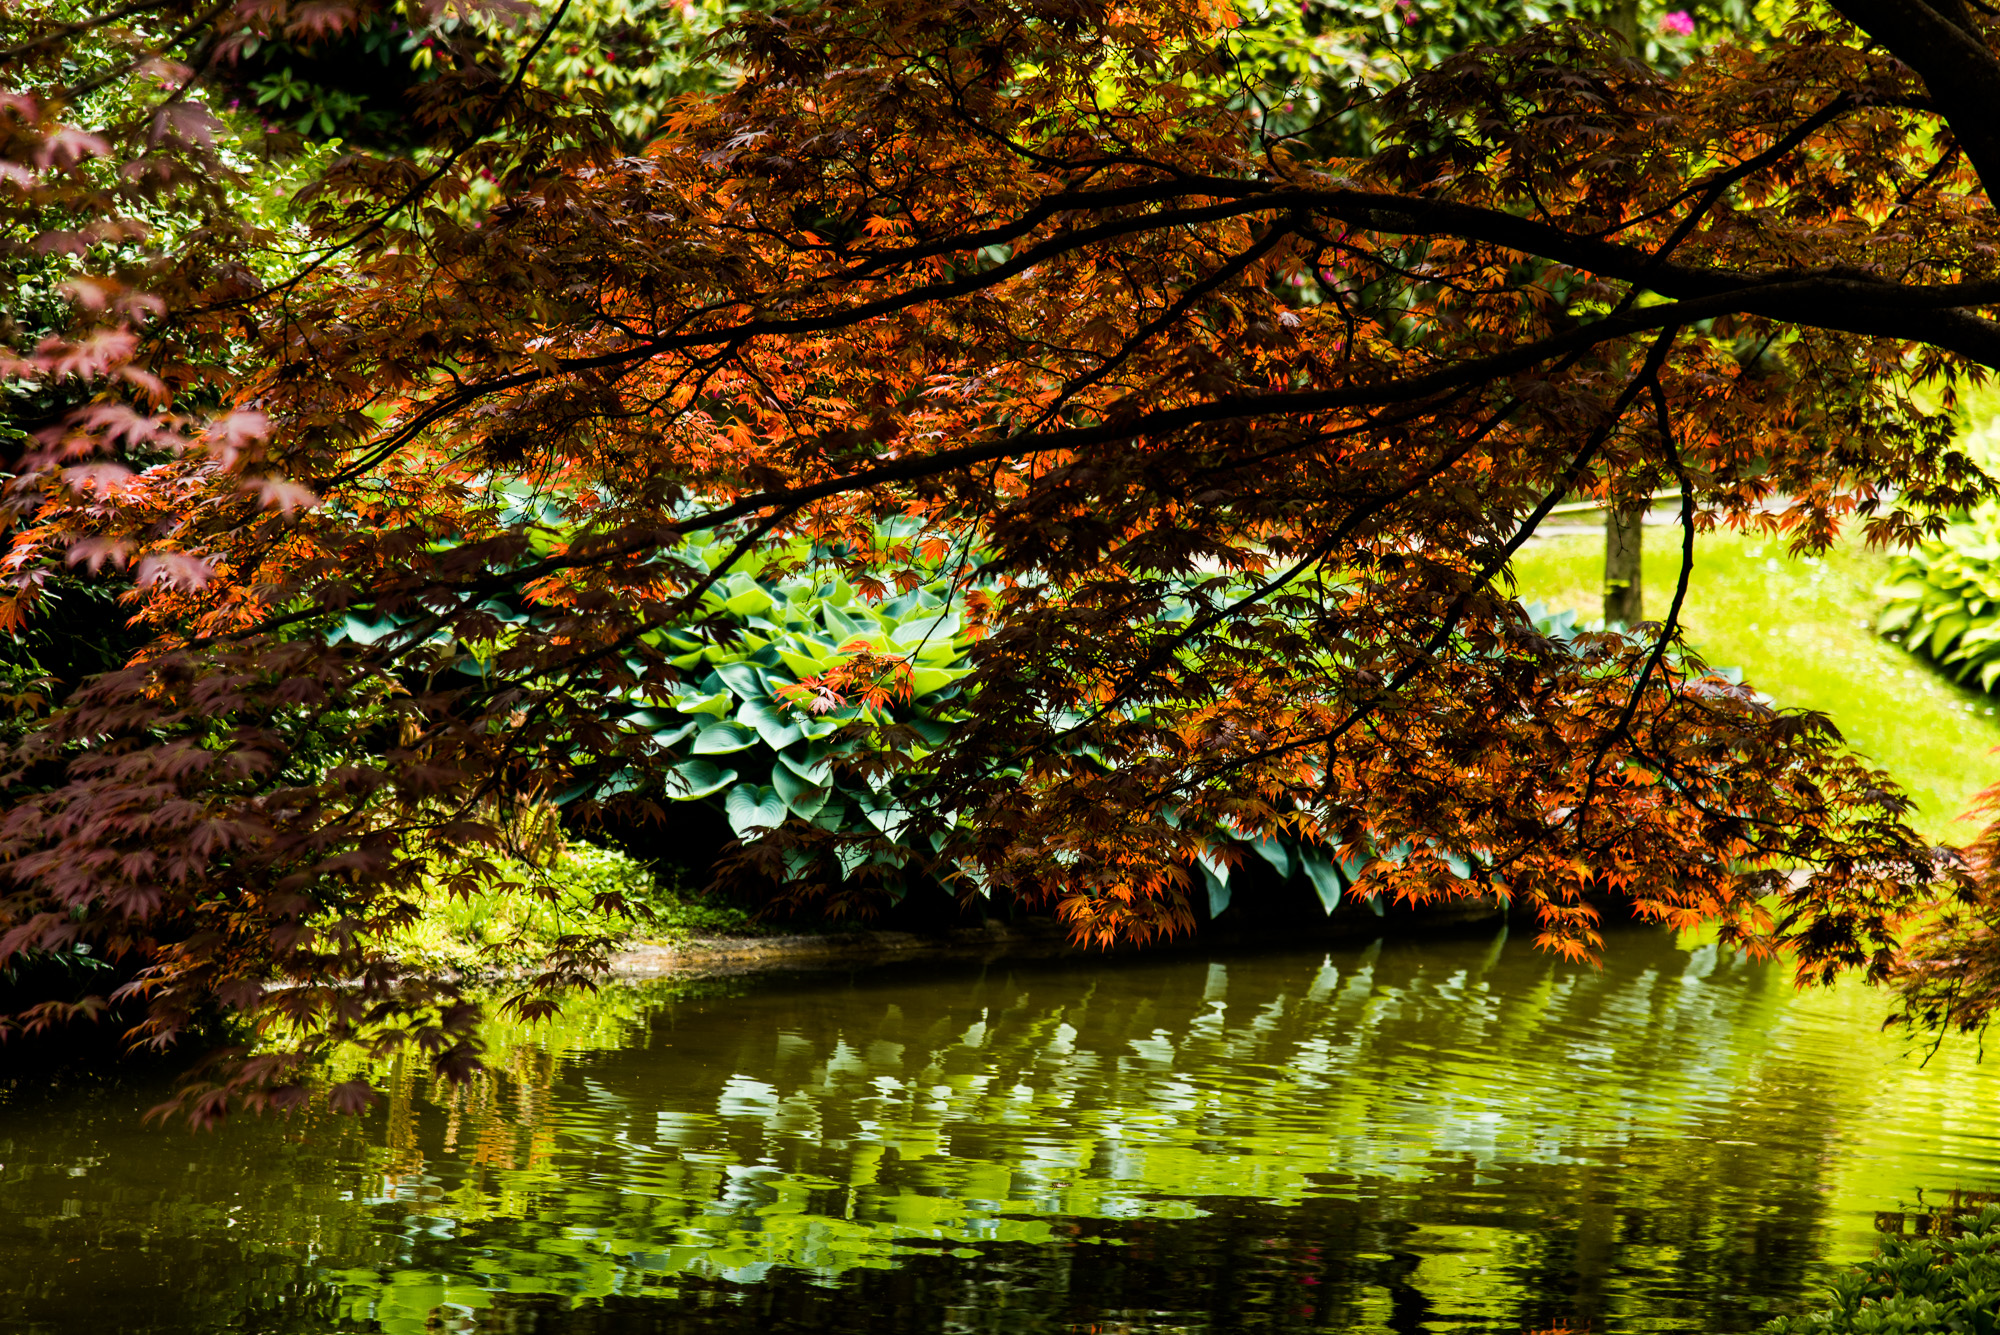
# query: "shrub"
[[1940, 1285], [805, 699], [528, 910], [1943, 599]]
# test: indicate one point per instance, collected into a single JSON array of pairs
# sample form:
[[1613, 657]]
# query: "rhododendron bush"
[[1237, 431]]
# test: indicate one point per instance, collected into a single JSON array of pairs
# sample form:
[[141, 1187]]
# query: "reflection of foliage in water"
[[813, 1144], [1458, 1135]]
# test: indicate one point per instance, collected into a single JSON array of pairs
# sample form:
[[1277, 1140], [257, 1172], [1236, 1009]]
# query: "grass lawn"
[[1800, 630]]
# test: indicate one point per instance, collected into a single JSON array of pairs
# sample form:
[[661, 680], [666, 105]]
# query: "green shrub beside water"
[[1943, 599], [753, 731], [1916, 1286], [528, 909]]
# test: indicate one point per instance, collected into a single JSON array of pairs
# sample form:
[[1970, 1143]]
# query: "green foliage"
[[520, 912], [636, 55], [1916, 1286], [804, 700], [1943, 600], [758, 729], [525, 910], [1315, 69], [767, 745], [631, 57], [762, 736]]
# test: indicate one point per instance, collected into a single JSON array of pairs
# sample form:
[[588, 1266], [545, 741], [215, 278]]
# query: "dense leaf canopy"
[[1051, 291]]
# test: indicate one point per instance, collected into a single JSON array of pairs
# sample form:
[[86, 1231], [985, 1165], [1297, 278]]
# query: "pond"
[[1419, 1136]]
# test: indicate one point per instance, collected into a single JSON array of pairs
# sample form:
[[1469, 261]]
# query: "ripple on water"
[[1452, 1136]]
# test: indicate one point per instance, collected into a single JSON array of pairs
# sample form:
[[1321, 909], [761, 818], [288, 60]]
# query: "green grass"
[[1801, 631]]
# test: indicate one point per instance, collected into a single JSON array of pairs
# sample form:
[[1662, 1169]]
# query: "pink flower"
[[1680, 23]]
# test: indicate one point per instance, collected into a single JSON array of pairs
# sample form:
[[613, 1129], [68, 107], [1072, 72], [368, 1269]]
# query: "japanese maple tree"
[[1048, 281]]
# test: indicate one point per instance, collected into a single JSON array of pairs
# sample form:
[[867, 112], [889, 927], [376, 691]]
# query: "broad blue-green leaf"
[[926, 680], [1274, 853], [805, 799], [653, 718], [773, 725], [752, 602], [926, 632], [499, 611], [753, 807], [1325, 878], [668, 738], [933, 732], [698, 778], [1218, 891], [717, 704], [814, 727], [367, 632], [809, 768], [807, 657], [850, 623], [746, 679], [721, 739], [886, 817], [851, 856]]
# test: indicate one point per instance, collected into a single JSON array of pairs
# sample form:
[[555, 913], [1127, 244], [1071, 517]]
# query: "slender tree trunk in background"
[[1624, 599], [1623, 19], [1624, 593]]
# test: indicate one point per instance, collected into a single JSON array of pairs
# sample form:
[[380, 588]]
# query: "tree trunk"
[[1624, 602], [1624, 590], [1623, 19]]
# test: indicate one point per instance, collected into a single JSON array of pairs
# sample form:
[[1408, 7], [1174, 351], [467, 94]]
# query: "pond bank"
[[1025, 938]]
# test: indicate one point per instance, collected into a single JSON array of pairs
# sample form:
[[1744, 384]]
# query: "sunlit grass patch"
[[1802, 631]]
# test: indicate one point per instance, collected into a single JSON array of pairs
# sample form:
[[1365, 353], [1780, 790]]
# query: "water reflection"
[[1440, 1137]]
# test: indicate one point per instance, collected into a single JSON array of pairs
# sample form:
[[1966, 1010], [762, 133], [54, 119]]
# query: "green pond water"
[[1436, 1136]]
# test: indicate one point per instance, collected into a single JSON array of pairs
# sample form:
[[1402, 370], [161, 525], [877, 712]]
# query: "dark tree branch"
[[1956, 65]]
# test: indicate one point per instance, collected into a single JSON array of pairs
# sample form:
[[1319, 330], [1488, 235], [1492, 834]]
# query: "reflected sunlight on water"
[[1422, 1136]]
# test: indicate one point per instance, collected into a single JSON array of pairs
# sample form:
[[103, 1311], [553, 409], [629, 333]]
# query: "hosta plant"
[[1943, 599], [806, 702], [1916, 1286]]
